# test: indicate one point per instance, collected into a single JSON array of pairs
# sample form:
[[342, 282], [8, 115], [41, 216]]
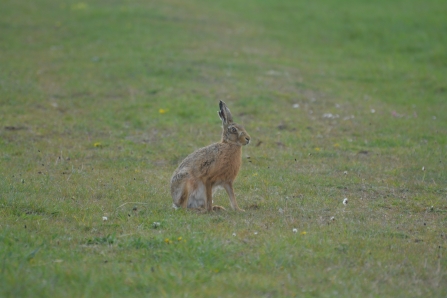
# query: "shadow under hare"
[[216, 165]]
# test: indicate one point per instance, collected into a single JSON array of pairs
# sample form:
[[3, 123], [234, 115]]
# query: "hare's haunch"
[[217, 165]]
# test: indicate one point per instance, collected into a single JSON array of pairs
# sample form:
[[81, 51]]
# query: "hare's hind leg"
[[209, 199], [197, 195], [218, 208]]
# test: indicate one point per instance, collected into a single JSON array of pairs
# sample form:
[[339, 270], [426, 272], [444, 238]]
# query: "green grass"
[[82, 137]]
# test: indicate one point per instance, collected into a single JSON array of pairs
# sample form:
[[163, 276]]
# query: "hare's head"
[[231, 132]]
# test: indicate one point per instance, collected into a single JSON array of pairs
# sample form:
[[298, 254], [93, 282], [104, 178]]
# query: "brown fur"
[[196, 177]]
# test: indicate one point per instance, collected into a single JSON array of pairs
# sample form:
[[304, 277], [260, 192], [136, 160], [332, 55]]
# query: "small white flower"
[[434, 117], [256, 233], [295, 230], [296, 106], [332, 218], [373, 111], [345, 201], [345, 172], [280, 210], [234, 234], [423, 168], [155, 224], [330, 116], [104, 218]]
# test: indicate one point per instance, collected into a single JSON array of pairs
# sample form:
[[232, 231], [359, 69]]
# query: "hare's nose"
[[247, 139]]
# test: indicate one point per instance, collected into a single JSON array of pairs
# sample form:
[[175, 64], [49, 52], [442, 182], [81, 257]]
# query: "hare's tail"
[[179, 192]]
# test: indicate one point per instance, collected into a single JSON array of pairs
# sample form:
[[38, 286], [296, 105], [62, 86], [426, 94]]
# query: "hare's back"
[[207, 155]]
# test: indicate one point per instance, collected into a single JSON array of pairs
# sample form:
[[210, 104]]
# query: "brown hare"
[[217, 165]]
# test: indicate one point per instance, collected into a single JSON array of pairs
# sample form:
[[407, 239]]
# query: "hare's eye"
[[232, 129]]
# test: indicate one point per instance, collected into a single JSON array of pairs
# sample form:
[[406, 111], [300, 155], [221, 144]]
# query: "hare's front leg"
[[229, 188], [209, 197]]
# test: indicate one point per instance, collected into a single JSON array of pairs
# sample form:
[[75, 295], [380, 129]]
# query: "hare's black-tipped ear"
[[220, 112], [224, 113]]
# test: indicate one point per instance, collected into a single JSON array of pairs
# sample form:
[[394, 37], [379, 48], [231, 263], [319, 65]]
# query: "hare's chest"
[[221, 163], [230, 168]]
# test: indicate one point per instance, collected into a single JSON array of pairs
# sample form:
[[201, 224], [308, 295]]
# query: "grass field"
[[100, 101]]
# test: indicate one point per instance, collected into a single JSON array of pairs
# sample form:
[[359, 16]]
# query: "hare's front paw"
[[240, 210]]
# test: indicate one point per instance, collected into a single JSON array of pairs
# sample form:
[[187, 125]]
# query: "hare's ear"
[[225, 114]]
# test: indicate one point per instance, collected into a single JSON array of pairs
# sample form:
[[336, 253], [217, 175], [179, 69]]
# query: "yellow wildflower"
[[79, 6]]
